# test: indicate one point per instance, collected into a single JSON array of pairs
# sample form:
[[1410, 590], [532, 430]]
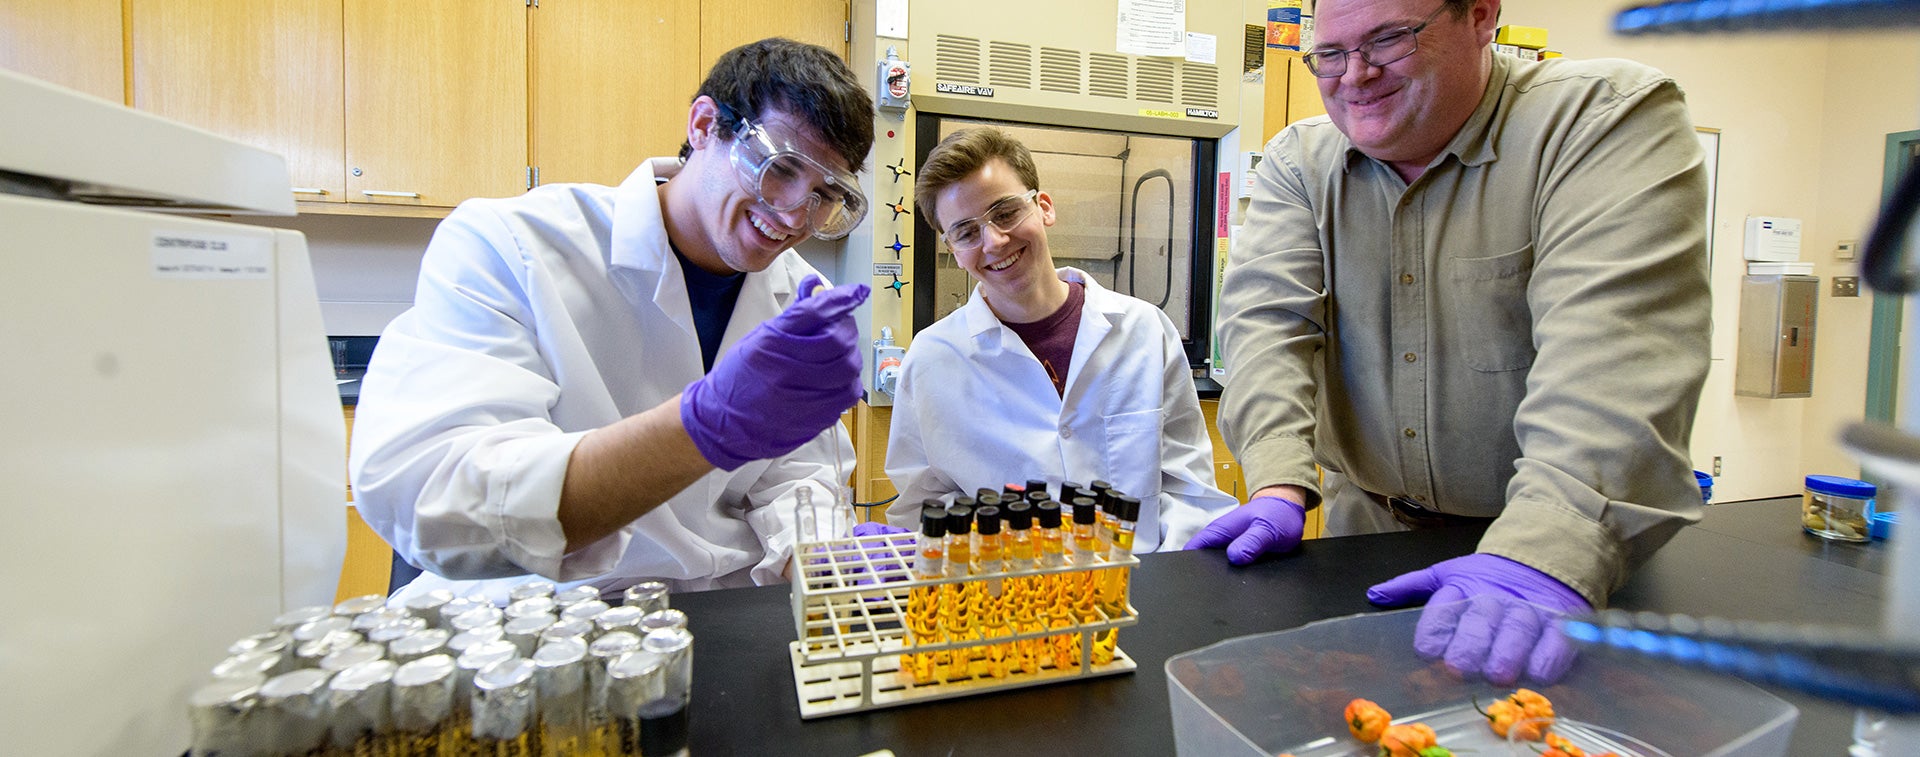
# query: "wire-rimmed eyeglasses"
[[1386, 48]]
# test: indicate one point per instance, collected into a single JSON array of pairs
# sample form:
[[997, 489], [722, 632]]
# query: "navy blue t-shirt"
[[712, 297]]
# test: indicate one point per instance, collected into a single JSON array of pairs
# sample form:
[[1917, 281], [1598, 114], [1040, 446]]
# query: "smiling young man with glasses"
[[1043, 373], [606, 385], [1475, 292]]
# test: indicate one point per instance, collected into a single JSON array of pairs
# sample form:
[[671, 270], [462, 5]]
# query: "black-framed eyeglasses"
[[1388, 47], [1005, 215]]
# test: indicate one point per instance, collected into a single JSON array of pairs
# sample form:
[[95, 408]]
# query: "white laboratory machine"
[[174, 448]]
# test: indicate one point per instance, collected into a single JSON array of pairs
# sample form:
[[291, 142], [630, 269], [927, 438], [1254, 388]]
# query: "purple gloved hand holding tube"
[[785, 382], [1487, 614], [1263, 525]]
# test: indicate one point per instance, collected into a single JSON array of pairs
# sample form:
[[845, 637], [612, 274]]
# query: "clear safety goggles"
[[785, 179], [1006, 215]]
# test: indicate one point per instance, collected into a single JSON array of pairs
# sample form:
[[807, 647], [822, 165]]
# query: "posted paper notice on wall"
[[1152, 27]]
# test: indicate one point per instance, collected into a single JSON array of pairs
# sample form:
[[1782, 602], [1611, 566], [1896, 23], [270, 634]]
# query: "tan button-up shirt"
[[1521, 332]]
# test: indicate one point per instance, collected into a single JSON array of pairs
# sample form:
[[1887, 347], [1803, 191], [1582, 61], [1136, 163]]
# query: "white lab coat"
[[537, 319], [975, 409]]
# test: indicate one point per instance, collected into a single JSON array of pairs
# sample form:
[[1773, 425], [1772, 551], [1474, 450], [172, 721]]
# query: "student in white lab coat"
[[608, 385], [1043, 374]]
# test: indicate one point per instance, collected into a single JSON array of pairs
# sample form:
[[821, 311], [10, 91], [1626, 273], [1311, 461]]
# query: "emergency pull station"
[[1776, 336], [896, 79], [886, 362]]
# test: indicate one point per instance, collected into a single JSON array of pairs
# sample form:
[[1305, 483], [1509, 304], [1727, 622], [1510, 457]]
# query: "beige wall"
[[1803, 121]]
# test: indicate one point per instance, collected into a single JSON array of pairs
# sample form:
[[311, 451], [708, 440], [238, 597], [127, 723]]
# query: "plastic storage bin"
[[1285, 691]]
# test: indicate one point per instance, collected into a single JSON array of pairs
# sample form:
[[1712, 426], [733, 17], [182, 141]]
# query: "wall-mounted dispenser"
[[1776, 336]]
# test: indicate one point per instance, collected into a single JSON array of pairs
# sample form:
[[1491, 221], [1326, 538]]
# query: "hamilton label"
[[1203, 113]]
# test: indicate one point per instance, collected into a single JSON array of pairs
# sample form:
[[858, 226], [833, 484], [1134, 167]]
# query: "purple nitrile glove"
[[782, 384], [888, 556], [876, 528], [1488, 614], [1262, 525]]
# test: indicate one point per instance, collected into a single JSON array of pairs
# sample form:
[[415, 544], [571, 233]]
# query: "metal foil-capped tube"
[[662, 620], [315, 629], [649, 596], [293, 709], [587, 610], [418, 644], [423, 698], [576, 595], [365, 603], [560, 681], [311, 653], [222, 714], [525, 632], [531, 589], [341, 659], [503, 708], [622, 618], [360, 709], [286, 621], [532, 606]]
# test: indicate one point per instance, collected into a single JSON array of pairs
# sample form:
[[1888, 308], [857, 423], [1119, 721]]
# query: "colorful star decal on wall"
[[898, 287], [899, 208], [899, 170], [897, 246]]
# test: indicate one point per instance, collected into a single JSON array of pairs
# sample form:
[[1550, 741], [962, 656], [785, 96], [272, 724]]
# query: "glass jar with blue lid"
[[1836, 508]]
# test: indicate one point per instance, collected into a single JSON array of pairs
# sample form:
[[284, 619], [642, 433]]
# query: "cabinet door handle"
[[383, 193], [309, 191]]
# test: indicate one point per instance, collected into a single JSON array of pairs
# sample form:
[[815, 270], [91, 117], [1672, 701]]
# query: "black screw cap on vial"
[[1035, 498], [1013, 490], [1049, 514], [1100, 487], [933, 521], [1019, 516], [982, 492], [1036, 485], [1128, 507], [963, 501], [1071, 489], [989, 499], [959, 520], [1084, 512], [986, 520]]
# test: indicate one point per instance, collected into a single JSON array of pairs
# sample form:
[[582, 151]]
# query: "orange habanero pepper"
[[1406, 740], [1367, 720]]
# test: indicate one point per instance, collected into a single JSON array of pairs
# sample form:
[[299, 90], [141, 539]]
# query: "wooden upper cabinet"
[[265, 72], [727, 24], [76, 44], [436, 100], [610, 81], [1292, 93]]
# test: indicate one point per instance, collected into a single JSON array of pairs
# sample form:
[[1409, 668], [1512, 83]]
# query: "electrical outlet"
[[1846, 286], [1716, 466]]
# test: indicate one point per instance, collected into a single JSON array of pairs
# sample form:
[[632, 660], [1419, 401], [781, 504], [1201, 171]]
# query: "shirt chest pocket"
[[1485, 313], [1133, 452]]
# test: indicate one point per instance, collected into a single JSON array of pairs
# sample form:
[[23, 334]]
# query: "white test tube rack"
[[849, 611]]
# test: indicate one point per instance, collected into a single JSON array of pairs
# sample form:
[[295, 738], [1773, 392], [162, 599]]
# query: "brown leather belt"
[[1412, 515]]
